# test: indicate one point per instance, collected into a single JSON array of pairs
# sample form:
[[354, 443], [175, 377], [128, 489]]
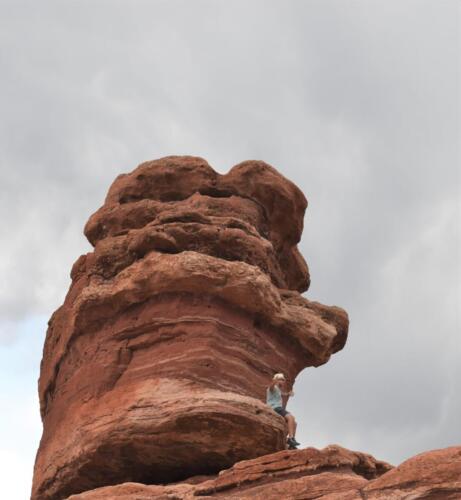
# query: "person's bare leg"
[[296, 426], [287, 420], [291, 425]]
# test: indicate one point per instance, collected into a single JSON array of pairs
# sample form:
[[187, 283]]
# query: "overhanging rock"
[[154, 368]]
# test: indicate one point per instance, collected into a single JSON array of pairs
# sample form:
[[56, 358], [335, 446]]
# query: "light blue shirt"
[[274, 397]]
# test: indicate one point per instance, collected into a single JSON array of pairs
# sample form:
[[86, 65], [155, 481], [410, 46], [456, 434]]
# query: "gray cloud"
[[355, 102]]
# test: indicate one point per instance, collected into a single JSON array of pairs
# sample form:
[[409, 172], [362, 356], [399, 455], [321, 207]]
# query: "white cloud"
[[20, 425]]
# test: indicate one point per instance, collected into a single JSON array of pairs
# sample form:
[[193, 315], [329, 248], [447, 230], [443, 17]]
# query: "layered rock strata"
[[154, 368], [333, 473]]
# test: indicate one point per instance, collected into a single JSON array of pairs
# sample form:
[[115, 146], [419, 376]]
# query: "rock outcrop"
[[333, 473], [434, 475], [154, 368], [305, 474]]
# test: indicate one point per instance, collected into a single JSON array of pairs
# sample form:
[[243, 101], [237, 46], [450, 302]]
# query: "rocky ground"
[[333, 473]]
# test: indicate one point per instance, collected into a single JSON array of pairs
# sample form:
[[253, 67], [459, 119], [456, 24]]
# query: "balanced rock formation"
[[154, 368]]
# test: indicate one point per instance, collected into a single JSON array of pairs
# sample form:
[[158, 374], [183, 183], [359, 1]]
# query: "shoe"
[[292, 444], [293, 440]]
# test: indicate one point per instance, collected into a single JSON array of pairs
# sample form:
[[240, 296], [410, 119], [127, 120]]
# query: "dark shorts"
[[281, 411]]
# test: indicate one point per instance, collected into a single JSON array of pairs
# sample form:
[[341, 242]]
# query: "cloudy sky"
[[357, 102]]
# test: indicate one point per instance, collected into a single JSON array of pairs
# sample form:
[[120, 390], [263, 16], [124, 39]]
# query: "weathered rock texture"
[[333, 473], [155, 366], [434, 475], [305, 474]]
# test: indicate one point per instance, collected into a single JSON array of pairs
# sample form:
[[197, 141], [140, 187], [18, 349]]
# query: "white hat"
[[279, 376]]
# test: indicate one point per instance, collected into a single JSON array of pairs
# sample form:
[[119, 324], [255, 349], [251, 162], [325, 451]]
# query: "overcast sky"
[[357, 102]]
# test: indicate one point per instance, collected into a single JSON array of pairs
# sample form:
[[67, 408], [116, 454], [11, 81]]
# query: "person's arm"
[[272, 385], [286, 396]]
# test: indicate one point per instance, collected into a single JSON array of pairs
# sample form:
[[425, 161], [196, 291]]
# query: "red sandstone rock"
[[434, 475], [306, 474], [333, 473], [155, 367], [253, 196]]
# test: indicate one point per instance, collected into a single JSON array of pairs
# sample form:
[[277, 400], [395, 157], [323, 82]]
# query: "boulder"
[[434, 475], [154, 369]]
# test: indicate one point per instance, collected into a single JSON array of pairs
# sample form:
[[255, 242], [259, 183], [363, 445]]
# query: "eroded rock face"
[[333, 473], [155, 367], [306, 474], [434, 475]]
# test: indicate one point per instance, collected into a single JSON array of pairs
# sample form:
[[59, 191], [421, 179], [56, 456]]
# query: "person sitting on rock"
[[274, 395]]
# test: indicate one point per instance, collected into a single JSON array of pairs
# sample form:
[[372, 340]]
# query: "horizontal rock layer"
[[303, 474], [252, 214], [333, 473], [314, 331]]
